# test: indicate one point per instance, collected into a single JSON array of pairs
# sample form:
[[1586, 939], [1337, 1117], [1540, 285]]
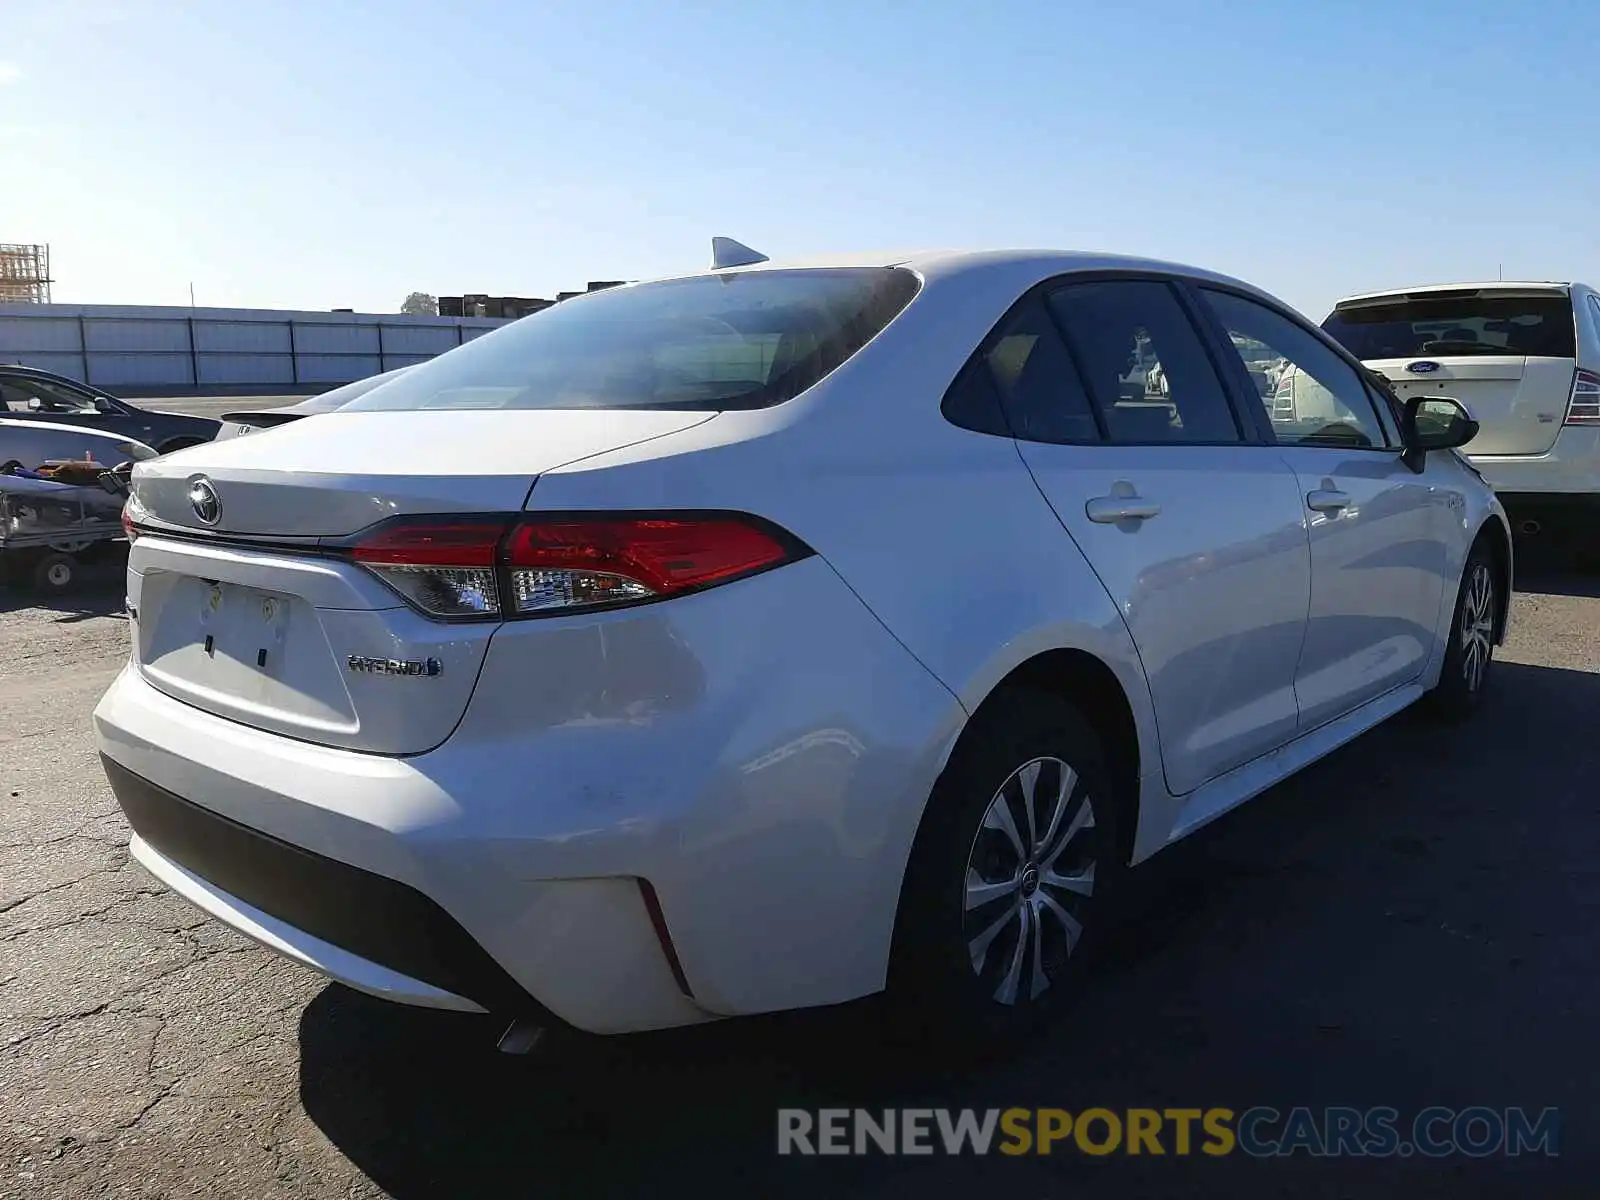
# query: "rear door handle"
[[1327, 500], [1124, 504]]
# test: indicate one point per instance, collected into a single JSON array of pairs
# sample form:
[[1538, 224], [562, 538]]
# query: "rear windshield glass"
[[1457, 324], [741, 340]]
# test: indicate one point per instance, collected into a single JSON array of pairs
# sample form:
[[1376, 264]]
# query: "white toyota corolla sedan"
[[779, 634]]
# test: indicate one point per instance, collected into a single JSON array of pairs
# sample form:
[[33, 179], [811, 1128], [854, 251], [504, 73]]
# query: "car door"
[[1378, 529], [1195, 532]]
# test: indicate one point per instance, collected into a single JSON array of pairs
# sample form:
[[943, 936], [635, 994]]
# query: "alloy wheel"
[[1030, 875], [1477, 627]]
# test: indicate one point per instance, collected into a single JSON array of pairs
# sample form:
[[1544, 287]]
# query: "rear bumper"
[[759, 754], [364, 929], [1571, 467], [1563, 516], [1576, 505]]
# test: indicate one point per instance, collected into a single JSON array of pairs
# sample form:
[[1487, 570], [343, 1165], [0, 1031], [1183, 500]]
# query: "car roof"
[[1024, 267], [1538, 287], [75, 431], [53, 377], [40, 372]]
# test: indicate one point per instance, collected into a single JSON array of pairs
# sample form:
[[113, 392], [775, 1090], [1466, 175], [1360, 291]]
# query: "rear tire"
[[1020, 843], [1470, 652], [54, 574]]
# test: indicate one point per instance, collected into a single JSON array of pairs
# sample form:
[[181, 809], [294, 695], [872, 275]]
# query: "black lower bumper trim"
[[369, 915], [1572, 504]]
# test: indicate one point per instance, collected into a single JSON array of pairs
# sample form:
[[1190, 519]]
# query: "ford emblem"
[[1422, 368], [204, 500]]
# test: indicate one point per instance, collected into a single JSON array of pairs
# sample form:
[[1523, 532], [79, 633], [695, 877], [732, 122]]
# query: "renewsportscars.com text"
[[1260, 1132]]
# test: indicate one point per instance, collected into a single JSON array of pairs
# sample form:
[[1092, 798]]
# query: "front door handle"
[[1327, 500], [1123, 504]]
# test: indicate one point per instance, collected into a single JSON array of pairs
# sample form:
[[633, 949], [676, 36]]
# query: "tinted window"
[[1143, 363], [17, 391], [1446, 324], [747, 339], [972, 403], [1314, 396], [1036, 380]]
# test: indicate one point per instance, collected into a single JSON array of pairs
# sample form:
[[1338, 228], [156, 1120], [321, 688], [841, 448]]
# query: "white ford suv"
[[775, 635], [1524, 358]]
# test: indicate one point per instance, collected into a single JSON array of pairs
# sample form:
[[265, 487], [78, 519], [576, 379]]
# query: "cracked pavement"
[[1408, 923], [143, 1047]]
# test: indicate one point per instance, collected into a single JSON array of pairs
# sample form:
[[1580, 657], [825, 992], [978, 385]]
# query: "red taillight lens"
[[467, 544], [444, 568], [1584, 406], [563, 564], [129, 529], [492, 568]]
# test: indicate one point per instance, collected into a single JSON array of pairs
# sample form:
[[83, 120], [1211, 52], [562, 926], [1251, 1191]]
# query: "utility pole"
[[191, 295]]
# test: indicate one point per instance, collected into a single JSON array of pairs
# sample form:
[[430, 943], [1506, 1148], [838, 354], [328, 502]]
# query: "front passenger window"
[[1313, 396]]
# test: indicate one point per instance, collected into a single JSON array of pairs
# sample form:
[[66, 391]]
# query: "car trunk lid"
[[333, 476], [259, 615], [1506, 351], [1518, 402], [267, 418]]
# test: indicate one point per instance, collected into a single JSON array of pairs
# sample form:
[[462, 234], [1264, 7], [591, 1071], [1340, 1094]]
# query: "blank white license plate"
[[244, 624]]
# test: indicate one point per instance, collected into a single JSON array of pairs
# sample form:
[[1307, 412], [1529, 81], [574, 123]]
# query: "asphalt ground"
[[1408, 923]]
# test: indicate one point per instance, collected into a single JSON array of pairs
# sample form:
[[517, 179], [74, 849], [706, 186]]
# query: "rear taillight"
[[548, 565], [129, 529], [443, 568], [1584, 406], [562, 564]]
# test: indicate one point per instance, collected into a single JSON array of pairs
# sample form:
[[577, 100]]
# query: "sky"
[[305, 154]]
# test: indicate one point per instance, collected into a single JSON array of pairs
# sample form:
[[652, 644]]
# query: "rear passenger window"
[[1143, 363], [971, 401], [1036, 381]]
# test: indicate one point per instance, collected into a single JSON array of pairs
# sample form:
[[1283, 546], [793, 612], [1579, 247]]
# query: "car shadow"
[[1554, 572], [98, 591], [1381, 929]]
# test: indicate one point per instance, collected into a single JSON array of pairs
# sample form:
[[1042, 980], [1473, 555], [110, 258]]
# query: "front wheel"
[[1470, 652], [1007, 875]]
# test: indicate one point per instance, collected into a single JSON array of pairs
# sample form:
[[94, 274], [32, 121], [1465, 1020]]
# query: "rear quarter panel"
[[942, 532]]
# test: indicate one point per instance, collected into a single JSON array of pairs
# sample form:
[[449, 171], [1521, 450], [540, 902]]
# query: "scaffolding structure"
[[24, 274]]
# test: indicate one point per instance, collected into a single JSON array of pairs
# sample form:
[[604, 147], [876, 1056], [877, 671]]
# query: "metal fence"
[[195, 349]]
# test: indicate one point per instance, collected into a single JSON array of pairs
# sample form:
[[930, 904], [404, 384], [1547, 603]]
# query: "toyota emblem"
[[203, 499]]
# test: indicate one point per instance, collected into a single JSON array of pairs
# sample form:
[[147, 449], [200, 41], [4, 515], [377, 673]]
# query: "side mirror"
[[1435, 423]]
